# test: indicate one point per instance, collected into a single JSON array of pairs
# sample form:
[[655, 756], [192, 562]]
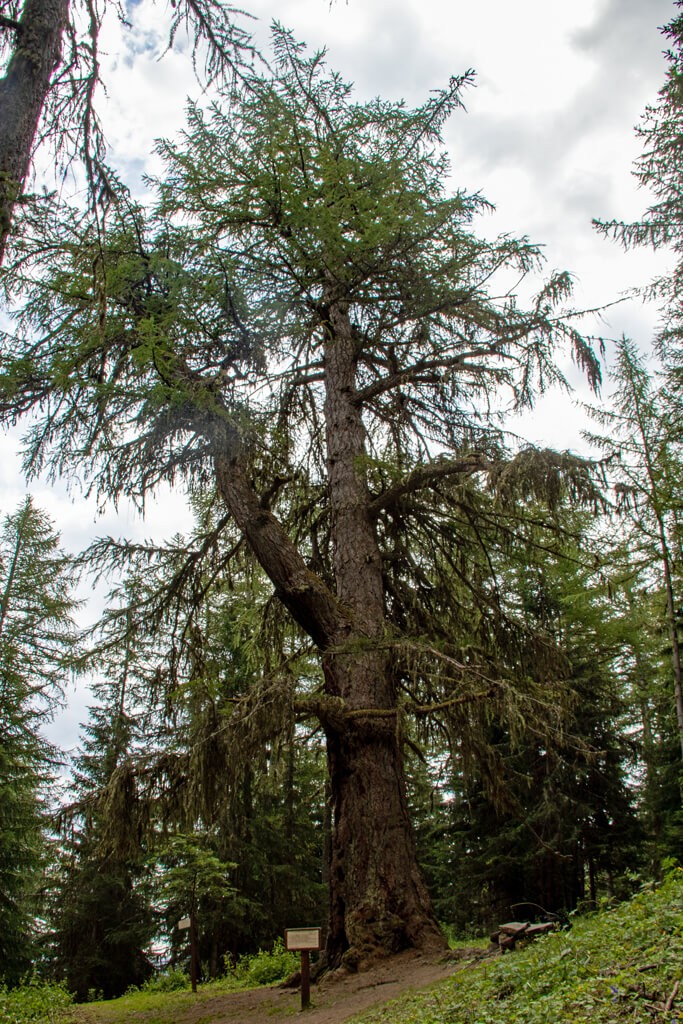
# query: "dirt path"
[[335, 999]]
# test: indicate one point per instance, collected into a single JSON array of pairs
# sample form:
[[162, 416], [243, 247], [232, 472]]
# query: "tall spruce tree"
[[659, 170], [655, 414], [645, 671], [100, 921], [640, 427], [169, 759], [307, 323], [37, 640]]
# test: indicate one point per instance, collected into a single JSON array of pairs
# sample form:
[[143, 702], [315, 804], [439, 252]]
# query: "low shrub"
[[173, 980], [34, 1000], [265, 967]]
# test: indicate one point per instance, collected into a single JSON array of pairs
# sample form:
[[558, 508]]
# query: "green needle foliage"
[[562, 828], [37, 652], [36, 608], [659, 170], [100, 922], [640, 433], [193, 881]]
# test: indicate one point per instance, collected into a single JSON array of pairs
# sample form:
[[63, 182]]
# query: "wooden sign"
[[302, 938], [184, 923]]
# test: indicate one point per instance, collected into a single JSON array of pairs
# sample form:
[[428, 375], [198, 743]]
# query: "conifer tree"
[[307, 324], [164, 764], [647, 420], [538, 818], [659, 170], [645, 670], [37, 639], [100, 918], [641, 433]]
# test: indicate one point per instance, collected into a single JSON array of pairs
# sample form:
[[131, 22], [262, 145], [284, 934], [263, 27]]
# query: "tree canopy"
[[306, 323]]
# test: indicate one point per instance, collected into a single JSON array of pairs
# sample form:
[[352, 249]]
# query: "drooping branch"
[[541, 474], [426, 475]]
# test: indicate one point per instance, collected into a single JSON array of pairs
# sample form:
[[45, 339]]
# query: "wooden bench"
[[509, 934]]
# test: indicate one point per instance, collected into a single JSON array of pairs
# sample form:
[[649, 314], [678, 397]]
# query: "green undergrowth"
[[619, 965], [265, 967], [167, 997], [33, 1001]]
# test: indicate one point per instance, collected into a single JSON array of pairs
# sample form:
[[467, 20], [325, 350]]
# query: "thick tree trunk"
[[23, 94], [378, 901]]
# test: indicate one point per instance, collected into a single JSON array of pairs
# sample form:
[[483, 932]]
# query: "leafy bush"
[[172, 980], [620, 965], [266, 966], [33, 1001]]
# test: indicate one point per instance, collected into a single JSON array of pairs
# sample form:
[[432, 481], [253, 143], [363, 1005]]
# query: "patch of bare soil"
[[338, 996]]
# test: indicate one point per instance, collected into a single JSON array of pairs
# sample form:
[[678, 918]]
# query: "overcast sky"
[[548, 137]]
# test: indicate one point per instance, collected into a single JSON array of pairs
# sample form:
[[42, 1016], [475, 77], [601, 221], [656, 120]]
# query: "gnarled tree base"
[[379, 904]]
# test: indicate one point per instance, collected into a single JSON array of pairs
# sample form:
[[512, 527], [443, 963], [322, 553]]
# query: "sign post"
[[183, 924], [303, 940]]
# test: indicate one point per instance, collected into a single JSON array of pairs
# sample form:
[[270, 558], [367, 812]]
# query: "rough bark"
[[378, 901], [23, 94]]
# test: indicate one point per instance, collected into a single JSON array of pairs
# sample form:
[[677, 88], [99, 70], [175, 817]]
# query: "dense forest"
[[405, 674]]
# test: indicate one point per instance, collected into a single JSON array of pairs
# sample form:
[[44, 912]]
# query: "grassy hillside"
[[622, 964]]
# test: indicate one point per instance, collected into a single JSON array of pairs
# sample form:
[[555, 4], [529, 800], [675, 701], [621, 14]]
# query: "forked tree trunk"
[[378, 901]]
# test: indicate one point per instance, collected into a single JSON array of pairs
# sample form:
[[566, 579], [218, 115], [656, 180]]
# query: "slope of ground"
[[624, 964], [335, 1000]]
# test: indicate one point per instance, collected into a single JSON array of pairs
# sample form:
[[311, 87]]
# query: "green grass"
[[166, 997], [620, 965], [152, 1007]]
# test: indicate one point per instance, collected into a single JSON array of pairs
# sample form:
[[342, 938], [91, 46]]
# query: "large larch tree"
[[307, 323]]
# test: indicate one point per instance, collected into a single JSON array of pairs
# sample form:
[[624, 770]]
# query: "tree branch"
[[424, 476], [9, 23], [409, 375], [310, 602]]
